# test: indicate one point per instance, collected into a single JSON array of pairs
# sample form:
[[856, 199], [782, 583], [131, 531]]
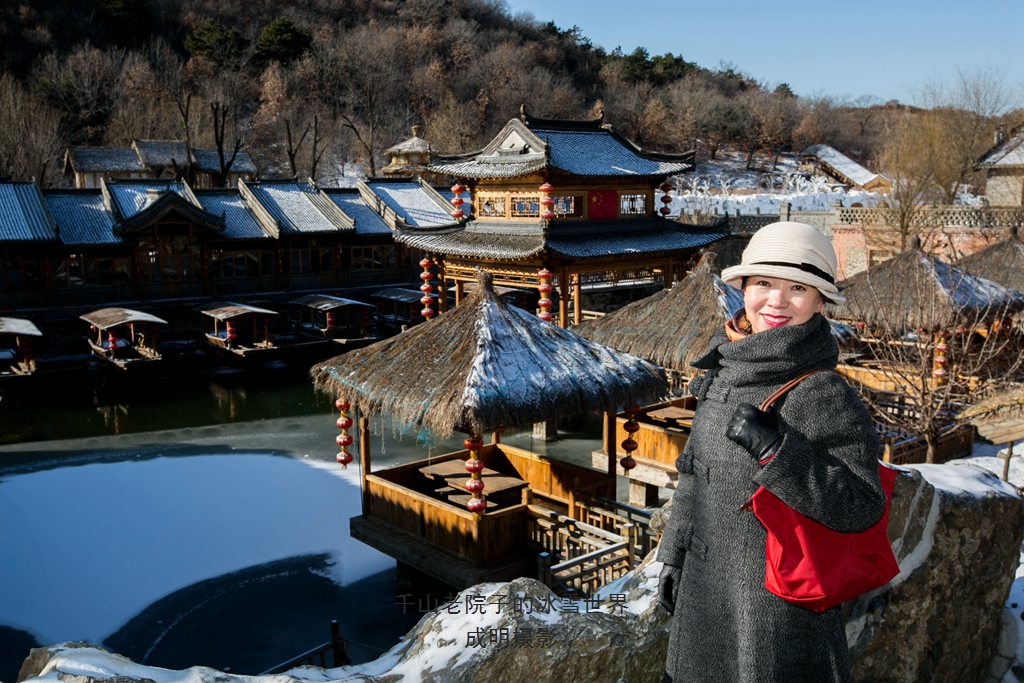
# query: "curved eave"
[[110, 317], [166, 203], [473, 244]]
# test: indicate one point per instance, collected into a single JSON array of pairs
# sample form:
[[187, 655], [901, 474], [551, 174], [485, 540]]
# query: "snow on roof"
[[599, 153], [841, 163], [208, 161], [156, 153], [239, 222], [368, 222], [1010, 152], [105, 160], [297, 207], [23, 216], [132, 196], [412, 203], [81, 217]]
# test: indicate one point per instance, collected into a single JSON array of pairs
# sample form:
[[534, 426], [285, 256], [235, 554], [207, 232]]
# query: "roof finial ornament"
[[522, 112]]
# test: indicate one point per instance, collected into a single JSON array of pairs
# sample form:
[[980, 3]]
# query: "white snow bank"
[[967, 475], [87, 548]]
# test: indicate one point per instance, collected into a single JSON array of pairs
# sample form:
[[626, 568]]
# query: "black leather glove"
[[755, 430], [668, 586]]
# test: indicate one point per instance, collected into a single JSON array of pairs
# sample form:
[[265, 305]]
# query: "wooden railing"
[[317, 656], [630, 522], [586, 573]]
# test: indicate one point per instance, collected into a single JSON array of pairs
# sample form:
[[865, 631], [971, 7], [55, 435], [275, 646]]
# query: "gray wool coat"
[[726, 626]]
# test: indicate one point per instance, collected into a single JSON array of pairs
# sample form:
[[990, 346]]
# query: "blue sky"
[[885, 49]]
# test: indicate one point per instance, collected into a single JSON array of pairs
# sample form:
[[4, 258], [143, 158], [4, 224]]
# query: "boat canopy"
[[325, 302], [228, 310], [406, 296], [109, 317], [19, 326]]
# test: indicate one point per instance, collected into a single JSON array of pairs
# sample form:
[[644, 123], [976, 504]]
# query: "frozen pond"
[[224, 545]]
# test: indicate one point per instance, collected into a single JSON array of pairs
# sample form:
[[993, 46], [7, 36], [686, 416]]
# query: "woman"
[[816, 449]]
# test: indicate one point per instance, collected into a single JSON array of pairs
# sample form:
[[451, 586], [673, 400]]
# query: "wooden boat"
[[17, 360], [336, 320], [124, 337], [400, 308], [240, 331]]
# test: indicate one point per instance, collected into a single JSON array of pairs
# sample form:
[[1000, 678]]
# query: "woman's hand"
[[668, 586], [755, 430]]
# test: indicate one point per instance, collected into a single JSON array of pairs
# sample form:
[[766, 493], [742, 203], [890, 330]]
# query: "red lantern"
[[666, 187], [544, 288], [343, 440], [342, 404], [631, 426], [476, 505], [475, 466], [473, 444], [343, 458], [344, 422], [426, 288], [458, 189], [664, 211], [546, 316], [627, 463], [665, 199], [475, 486], [457, 201]]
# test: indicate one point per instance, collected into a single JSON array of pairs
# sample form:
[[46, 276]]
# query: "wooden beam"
[[364, 457], [610, 449], [668, 274], [458, 292], [577, 300], [563, 297], [442, 288]]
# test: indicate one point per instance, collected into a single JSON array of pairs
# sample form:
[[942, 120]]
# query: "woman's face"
[[772, 302]]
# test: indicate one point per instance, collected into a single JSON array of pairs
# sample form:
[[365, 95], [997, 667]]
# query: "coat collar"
[[772, 356]]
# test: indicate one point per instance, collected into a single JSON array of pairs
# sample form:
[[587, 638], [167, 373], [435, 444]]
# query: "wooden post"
[[442, 288], [563, 298], [577, 303], [544, 568], [627, 536], [458, 292], [338, 645], [364, 458], [1006, 461], [610, 449], [496, 437], [668, 274]]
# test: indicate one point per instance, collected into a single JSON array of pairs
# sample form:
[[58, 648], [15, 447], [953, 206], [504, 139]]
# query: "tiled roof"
[[208, 161], [160, 153], [23, 216], [599, 153], [105, 160], [1010, 152], [81, 217], [413, 144], [132, 196], [412, 202], [239, 221], [367, 220], [587, 240], [297, 207], [476, 169], [668, 238]]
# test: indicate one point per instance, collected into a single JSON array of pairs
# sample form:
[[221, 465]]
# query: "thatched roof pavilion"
[[673, 326], [1002, 262], [998, 418], [916, 290], [486, 365]]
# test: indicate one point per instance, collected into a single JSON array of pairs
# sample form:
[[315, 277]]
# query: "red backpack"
[[811, 565]]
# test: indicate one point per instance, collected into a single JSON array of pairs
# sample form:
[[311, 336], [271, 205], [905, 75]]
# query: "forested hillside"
[[307, 85]]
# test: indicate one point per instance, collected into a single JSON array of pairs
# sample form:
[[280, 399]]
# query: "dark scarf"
[[770, 357]]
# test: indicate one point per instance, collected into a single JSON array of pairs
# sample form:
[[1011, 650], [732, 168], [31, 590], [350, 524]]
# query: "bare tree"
[[938, 357], [31, 135]]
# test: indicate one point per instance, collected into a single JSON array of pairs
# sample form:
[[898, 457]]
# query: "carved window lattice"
[[570, 206], [525, 206], [492, 206], [632, 204]]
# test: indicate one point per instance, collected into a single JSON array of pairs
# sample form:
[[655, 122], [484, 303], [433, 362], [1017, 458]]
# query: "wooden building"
[[153, 159], [830, 162], [146, 240], [1003, 166], [572, 197]]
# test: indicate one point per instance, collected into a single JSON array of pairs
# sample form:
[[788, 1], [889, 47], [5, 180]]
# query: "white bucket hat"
[[792, 251]]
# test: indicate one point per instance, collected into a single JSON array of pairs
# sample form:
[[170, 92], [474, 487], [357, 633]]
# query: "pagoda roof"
[[584, 148], [593, 239]]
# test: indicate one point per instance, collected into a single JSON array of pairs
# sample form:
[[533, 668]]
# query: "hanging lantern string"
[[426, 287], [474, 465], [344, 440], [630, 444], [544, 288]]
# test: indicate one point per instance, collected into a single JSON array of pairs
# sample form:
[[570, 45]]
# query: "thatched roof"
[[486, 365], [673, 326], [999, 418], [1002, 262], [916, 290]]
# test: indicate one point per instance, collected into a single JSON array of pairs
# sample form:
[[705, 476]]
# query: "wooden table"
[[454, 474], [672, 414]]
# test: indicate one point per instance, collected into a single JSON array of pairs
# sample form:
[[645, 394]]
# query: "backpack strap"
[[782, 390]]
